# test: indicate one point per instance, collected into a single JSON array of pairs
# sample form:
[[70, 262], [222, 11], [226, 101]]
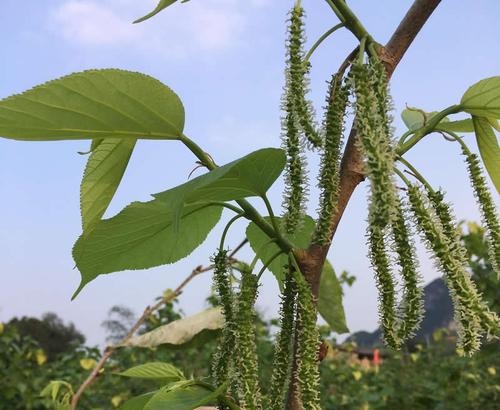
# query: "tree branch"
[[145, 315], [351, 171], [349, 19], [410, 26]]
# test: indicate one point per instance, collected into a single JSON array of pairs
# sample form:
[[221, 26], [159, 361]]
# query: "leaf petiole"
[[266, 265], [415, 173], [427, 129], [250, 212], [256, 258], [320, 40], [226, 229]]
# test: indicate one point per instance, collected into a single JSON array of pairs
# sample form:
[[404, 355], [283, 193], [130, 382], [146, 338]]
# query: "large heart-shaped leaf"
[[182, 331], [94, 104], [483, 98], [163, 4], [249, 176], [103, 173], [488, 148], [154, 371], [330, 305], [259, 242], [142, 236]]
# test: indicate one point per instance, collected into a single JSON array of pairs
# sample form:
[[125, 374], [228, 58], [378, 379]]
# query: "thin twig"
[[147, 312], [145, 315], [237, 249]]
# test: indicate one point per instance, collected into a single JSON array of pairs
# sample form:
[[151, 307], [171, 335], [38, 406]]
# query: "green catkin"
[[443, 211], [247, 360], [435, 227], [298, 72], [283, 348], [488, 209], [308, 343], [381, 89], [295, 176], [489, 320], [411, 308], [375, 142], [223, 358], [385, 284], [293, 143], [330, 160]]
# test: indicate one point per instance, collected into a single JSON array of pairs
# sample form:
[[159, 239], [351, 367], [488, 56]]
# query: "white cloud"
[[89, 23], [198, 26]]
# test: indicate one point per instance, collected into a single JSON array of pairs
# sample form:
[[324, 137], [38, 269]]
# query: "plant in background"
[[404, 380], [115, 108]]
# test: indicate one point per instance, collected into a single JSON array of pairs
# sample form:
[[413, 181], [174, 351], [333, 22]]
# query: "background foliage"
[[421, 376]]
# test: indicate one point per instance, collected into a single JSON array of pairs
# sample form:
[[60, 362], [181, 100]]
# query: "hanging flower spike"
[[308, 343], [374, 141], [489, 320], [330, 160], [295, 175], [488, 209], [448, 224], [223, 358], [463, 292], [411, 309], [298, 71], [381, 87], [247, 365], [282, 360], [380, 262]]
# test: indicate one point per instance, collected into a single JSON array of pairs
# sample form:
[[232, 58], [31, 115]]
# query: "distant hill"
[[438, 314]]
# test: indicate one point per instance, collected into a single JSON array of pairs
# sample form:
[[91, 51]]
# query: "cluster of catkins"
[[387, 221], [298, 338], [235, 362], [388, 231], [389, 236]]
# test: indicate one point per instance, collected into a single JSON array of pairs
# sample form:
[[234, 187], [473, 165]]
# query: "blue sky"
[[225, 60]]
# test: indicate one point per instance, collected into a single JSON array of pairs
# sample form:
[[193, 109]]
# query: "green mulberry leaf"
[[142, 236], [489, 149], [163, 4], [483, 98], [182, 331], [330, 304], [154, 371], [249, 176], [94, 104], [103, 173]]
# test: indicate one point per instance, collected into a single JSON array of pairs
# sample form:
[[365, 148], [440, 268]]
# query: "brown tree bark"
[[311, 260]]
